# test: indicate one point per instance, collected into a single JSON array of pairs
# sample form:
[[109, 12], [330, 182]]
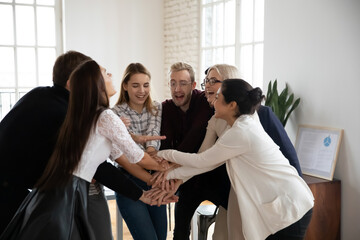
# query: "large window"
[[233, 33], [30, 40]]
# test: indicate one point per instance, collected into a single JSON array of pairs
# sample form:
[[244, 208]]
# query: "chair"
[[206, 216]]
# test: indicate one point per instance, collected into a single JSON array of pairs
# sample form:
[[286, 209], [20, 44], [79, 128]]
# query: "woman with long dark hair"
[[57, 207], [274, 201]]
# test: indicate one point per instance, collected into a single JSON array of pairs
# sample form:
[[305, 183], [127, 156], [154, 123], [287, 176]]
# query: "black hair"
[[247, 98]]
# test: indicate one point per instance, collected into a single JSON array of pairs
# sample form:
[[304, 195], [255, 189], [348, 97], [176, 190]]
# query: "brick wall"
[[181, 35]]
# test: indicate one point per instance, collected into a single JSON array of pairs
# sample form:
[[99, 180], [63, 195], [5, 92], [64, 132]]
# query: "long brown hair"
[[132, 69], [88, 99]]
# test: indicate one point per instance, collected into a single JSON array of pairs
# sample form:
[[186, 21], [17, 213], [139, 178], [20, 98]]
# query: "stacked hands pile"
[[163, 191]]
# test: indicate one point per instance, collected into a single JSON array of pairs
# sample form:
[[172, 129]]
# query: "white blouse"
[[109, 138], [270, 193]]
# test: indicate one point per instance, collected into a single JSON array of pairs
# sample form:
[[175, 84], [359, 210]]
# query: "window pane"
[[246, 26], [7, 69], [46, 61], [219, 24], [25, 1], [207, 58], [259, 20], [26, 67], [246, 61], [6, 1], [46, 26], [258, 65], [7, 101], [25, 29], [207, 26], [46, 2], [230, 20], [218, 55], [6, 25], [229, 55], [206, 1]]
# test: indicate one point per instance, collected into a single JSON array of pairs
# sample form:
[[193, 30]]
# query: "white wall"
[[118, 32], [312, 45], [315, 47]]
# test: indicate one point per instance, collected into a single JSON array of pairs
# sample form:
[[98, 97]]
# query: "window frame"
[[238, 45], [16, 91]]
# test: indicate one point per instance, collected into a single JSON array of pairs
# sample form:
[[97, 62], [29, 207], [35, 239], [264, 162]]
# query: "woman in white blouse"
[[57, 207], [271, 196]]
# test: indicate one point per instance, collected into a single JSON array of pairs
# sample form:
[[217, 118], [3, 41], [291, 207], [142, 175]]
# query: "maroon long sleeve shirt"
[[185, 131]]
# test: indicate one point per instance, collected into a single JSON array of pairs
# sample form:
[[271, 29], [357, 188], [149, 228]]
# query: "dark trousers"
[[295, 231], [11, 198], [213, 186]]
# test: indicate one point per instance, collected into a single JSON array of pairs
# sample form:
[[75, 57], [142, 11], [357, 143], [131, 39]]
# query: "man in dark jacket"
[[28, 135]]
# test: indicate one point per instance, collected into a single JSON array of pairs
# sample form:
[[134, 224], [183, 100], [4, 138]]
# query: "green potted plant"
[[282, 105]]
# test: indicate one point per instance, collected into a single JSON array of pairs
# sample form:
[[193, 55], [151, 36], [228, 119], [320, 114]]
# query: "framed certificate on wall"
[[317, 149]]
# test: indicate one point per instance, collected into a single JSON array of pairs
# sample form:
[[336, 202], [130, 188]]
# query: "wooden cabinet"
[[325, 221]]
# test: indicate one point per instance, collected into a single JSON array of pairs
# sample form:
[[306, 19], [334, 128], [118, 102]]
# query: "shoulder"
[[119, 108], [264, 112], [157, 104], [234, 137], [198, 94], [167, 102], [199, 97], [168, 105], [107, 115]]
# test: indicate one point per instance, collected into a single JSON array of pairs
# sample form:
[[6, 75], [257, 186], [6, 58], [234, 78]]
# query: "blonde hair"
[[132, 69], [179, 66], [226, 71]]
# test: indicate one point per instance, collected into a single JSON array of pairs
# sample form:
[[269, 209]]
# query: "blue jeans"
[[145, 222]]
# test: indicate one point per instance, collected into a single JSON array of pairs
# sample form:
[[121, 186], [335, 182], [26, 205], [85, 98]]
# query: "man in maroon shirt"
[[184, 122]]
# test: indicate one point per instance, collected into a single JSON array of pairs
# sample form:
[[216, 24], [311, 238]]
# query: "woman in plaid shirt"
[[144, 116]]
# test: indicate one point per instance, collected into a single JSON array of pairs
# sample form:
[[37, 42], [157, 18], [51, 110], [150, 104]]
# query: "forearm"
[[108, 175], [185, 173], [148, 162], [134, 169]]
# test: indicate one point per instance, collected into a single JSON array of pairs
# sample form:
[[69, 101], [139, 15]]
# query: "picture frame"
[[317, 149]]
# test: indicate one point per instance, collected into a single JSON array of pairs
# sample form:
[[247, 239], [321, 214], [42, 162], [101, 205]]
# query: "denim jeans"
[[145, 222]]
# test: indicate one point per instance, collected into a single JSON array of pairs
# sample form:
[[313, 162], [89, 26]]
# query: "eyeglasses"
[[211, 81], [181, 84]]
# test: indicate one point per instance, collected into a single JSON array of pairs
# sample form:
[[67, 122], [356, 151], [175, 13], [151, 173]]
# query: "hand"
[[145, 199], [126, 121], [171, 193], [160, 197], [145, 138], [159, 178], [152, 152]]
